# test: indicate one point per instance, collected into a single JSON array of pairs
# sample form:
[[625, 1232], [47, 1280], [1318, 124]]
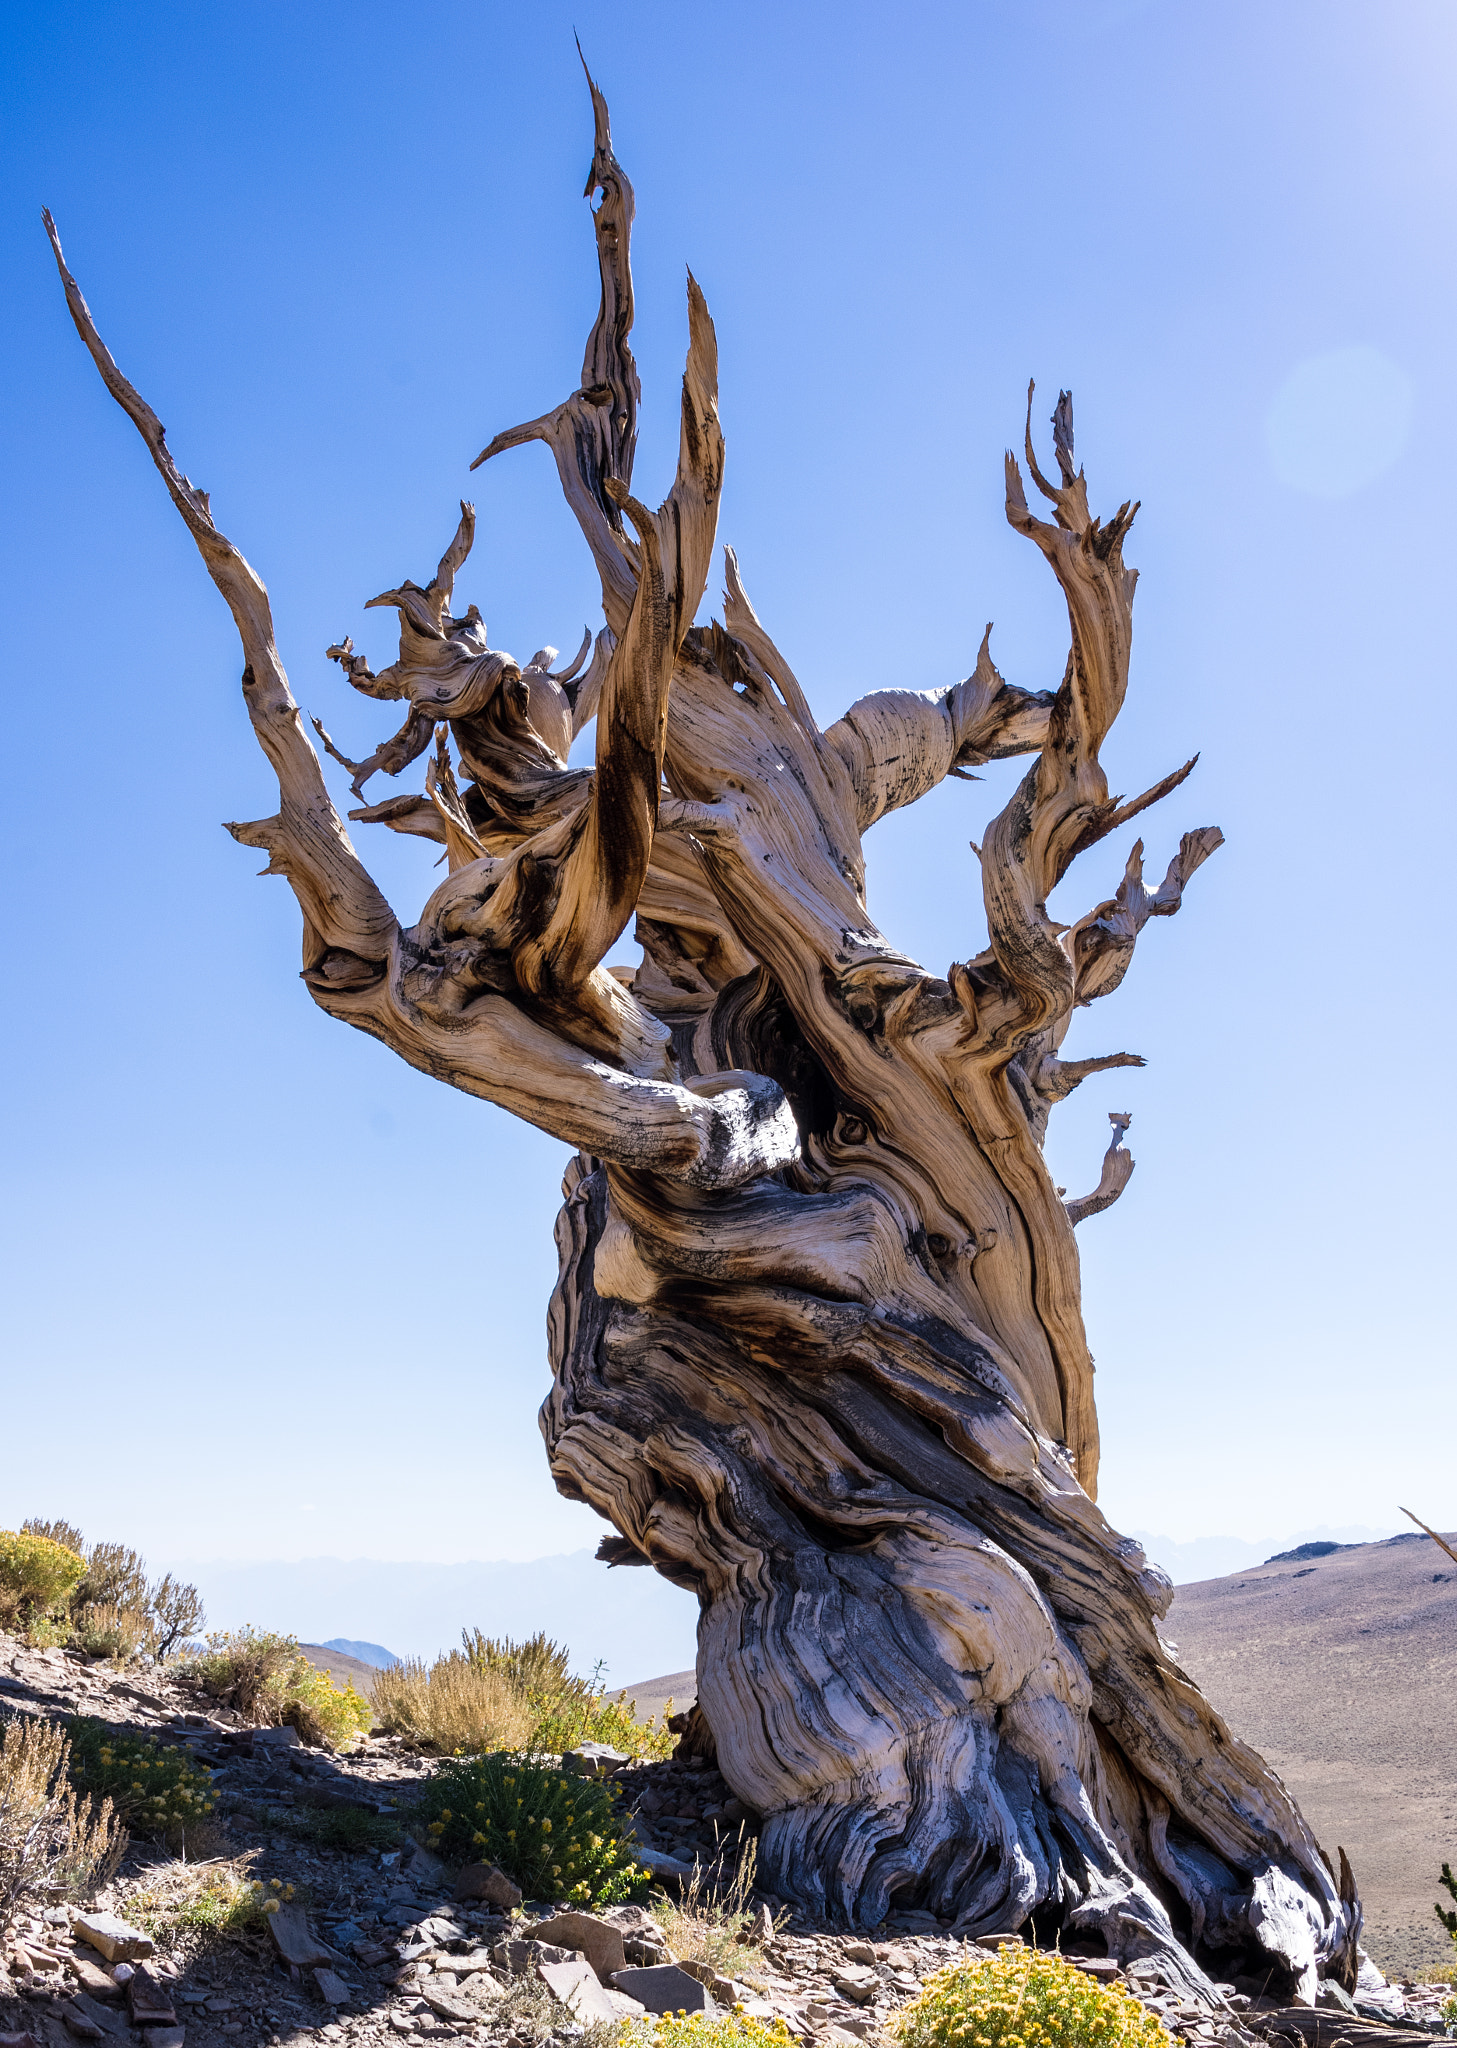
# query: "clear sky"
[[270, 1292]]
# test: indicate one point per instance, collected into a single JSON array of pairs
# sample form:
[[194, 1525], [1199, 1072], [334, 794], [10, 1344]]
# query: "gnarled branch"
[[1117, 1172]]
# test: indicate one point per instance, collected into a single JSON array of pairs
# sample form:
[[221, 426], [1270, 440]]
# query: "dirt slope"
[[1342, 1672], [343, 1669]]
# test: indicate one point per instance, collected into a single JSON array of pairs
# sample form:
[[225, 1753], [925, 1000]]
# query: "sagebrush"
[[51, 1839], [494, 1693], [100, 1603]]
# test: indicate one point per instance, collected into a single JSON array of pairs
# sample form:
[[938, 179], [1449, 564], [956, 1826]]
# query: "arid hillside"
[[1342, 1671]]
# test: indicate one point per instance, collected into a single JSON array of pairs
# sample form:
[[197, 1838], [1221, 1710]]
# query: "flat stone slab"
[[93, 1978], [335, 1991], [449, 2005], [599, 1941], [576, 1986], [663, 1987], [295, 1941], [115, 1939]]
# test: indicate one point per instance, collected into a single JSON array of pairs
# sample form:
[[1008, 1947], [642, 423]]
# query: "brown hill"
[[1342, 1671], [343, 1669]]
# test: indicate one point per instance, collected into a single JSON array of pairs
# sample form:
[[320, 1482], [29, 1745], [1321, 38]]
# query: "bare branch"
[[1100, 945], [898, 744], [1056, 1079], [593, 434], [307, 842], [1116, 1174]]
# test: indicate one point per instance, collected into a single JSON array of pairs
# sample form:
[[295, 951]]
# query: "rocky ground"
[[372, 1946]]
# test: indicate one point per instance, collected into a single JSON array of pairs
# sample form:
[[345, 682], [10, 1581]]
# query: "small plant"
[[559, 1837], [37, 1578], [708, 1923], [1025, 1998], [452, 1705], [217, 1898], [267, 1678], [1447, 1915], [100, 1630], [50, 1840], [705, 2030], [158, 1791]]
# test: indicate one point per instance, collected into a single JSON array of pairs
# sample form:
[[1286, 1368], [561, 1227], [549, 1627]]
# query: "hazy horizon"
[[628, 1619]]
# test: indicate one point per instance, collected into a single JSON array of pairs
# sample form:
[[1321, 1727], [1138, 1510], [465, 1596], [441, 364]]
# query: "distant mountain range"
[[628, 1620], [1212, 1557]]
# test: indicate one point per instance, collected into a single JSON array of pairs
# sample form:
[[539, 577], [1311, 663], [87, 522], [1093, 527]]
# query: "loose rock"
[[115, 1939], [663, 1988]]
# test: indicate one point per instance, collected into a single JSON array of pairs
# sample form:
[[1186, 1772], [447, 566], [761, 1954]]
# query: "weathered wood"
[[817, 1341]]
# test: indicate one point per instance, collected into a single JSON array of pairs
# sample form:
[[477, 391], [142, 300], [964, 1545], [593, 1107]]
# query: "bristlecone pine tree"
[[817, 1345]]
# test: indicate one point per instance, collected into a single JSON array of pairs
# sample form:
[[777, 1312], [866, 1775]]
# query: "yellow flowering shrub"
[[37, 1576], [1025, 1998], [704, 2030], [155, 1789], [267, 1677]]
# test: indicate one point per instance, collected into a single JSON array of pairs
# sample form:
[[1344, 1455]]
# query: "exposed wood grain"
[[817, 1340]]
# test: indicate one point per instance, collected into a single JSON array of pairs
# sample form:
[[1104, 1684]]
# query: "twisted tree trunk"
[[817, 1342]]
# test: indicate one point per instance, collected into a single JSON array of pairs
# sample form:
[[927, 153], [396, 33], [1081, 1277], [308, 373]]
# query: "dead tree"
[[818, 1350]]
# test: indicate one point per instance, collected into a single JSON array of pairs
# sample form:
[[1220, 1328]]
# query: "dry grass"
[[216, 1897], [707, 1923], [454, 1703], [49, 1839]]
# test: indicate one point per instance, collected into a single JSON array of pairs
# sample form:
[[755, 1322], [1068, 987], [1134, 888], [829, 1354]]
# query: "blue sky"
[[273, 1294]]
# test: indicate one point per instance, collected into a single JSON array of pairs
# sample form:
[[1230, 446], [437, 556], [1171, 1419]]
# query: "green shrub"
[[1025, 1998], [209, 1899], [324, 1712], [558, 1837], [111, 1611], [37, 1576], [267, 1678], [156, 1790]]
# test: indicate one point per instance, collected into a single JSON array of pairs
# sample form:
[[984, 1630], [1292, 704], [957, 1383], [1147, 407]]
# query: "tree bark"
[[817, 1342]]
